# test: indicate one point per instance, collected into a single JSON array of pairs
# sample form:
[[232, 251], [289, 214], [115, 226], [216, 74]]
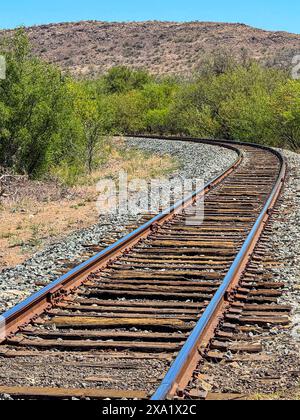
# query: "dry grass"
[[137, 165], [27, 224]]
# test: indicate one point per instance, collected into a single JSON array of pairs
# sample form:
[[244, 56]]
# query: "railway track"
[[137, 320]]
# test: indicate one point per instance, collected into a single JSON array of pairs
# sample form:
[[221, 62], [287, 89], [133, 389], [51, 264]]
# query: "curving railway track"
[[139, 319]]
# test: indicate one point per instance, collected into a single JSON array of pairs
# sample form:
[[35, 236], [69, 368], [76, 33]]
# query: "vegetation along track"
[[136, 320]]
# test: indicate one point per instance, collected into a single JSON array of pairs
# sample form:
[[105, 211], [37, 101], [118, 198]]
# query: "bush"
[[122, 79]]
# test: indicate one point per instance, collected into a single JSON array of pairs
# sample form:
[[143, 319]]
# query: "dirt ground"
[[32, 213]]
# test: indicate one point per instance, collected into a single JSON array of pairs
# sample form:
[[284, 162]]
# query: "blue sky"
[[266, 14]]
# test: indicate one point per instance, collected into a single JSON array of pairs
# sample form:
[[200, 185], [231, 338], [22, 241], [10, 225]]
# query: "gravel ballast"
[[197, 161], [277, 374]]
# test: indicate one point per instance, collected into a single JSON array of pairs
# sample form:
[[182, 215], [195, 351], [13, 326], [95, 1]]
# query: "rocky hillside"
[[162, 47]]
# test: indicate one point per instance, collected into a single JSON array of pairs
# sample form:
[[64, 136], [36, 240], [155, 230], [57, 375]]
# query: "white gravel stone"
[[287, 240]]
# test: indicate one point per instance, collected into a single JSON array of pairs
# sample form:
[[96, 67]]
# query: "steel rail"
[[178, 370], [35, 305]]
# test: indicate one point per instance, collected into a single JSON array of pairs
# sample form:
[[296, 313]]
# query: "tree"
[[92, 113], [192, 111], [122, 79], [243, 103], [217, 63], [157, 98], [129, 111], [286, 106], [32, 97]]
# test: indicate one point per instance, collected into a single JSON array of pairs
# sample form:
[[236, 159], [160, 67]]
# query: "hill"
[[162, 47]]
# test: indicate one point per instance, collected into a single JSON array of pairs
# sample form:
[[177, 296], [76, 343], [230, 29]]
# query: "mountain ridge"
[[163, 47]]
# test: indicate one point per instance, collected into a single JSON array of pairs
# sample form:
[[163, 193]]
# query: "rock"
[[204, 386], [197, 394]]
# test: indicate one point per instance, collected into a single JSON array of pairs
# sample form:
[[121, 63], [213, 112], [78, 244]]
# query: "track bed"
[[117, 334]]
